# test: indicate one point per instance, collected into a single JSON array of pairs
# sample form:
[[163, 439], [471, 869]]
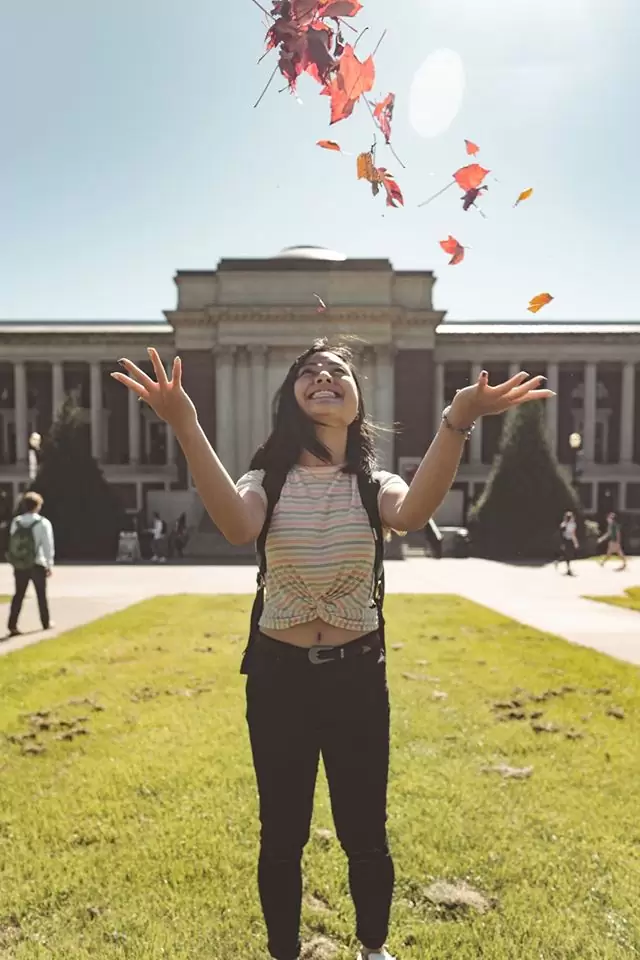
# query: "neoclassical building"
[[237, 329]]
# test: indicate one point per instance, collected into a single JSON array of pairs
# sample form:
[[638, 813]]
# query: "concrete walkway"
[[537, 596]]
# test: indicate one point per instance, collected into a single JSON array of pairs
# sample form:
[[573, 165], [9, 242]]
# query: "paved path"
[[537, 596]]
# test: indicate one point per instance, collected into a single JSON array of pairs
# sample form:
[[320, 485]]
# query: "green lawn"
[[5, 598], [630, 599], [137, 839]]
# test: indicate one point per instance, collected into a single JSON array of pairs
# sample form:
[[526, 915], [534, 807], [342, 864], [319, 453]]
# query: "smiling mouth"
[[324, 395]]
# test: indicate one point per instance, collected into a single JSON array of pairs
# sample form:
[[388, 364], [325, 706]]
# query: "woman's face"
[[326, 391]]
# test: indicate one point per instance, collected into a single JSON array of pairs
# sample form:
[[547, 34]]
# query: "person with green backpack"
[[31, 554]]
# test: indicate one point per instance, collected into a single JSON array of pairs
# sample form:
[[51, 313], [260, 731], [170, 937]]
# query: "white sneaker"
[[385, 955]]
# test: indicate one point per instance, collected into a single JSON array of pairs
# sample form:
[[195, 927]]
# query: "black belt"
[[319, 653]]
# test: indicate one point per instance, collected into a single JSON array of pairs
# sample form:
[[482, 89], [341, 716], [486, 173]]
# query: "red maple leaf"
[[394, 193], [339, 8], [383, 115], [454, 249], [470, 177], [352, 79], [472, 148]]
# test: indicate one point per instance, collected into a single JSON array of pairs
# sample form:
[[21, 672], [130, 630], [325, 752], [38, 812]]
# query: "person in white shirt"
[[31, 553], [569, 540], [157, 542]]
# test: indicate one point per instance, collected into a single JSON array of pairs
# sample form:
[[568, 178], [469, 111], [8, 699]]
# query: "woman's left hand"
[[480, 399]]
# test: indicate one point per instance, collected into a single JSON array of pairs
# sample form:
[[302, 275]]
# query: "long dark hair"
[[294, 431]]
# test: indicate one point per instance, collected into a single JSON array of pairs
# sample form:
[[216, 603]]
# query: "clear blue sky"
[[131, 148]]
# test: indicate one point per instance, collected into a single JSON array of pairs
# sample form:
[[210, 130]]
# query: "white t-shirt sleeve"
[[389, 481], [251, 482]]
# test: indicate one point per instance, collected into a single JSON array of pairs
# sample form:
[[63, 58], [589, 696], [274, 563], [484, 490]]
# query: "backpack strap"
[[369, 491], [272, 484]]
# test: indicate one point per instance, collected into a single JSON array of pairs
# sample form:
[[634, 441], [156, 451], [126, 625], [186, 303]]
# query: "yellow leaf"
[[524, 196]]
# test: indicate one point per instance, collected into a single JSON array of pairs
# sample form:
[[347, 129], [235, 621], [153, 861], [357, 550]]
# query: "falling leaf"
[[383, 115], [321, 304], [352, 79], [329, 145], [472, 148], [471, 176], [524, 196], [537, 303], [470, 197], [454, 249], [339, 8], [377, 177]]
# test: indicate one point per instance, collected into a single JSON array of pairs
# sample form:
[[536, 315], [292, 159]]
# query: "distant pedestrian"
[[568, 541], [158, 531], [31, 554], [180, 535], [613, 539]]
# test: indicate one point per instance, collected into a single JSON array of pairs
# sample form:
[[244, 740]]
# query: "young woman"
[[316, 677], [613, 540]]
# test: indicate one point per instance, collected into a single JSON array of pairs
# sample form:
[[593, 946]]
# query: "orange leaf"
[[349, 83], [537, 303], [394, 193], [472, 148], [468, 178], [524, 196], [453, 247], [366, 168], [329, 145]]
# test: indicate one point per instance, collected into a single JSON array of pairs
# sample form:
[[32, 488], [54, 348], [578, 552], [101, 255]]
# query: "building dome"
[[309, 253]]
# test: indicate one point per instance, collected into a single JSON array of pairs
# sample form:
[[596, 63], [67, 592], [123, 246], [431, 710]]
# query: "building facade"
[[237, 329]]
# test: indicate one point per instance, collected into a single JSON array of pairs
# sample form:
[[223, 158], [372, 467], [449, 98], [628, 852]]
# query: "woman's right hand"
[[166, 397]]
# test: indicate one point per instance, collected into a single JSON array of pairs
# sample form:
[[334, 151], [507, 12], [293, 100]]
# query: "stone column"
[[21, 412], [551, 408], [475, 443], [226, 407], [367, 379], [259, 402], [96, 410], [134, 430], [439, 399], [57, 388], [590, 408], [245, 423], [514, 369], [628, 412], [384, 392]]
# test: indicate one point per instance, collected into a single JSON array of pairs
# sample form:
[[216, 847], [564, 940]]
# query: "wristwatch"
[[463, 431]]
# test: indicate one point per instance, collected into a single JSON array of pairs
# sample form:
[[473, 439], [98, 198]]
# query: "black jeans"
[[22, 577], [297, 710]]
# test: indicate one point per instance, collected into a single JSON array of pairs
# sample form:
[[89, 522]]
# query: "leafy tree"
[[526, 495], [78, 500]]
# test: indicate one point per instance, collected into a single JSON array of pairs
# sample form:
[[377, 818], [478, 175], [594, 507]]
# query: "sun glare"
[[436, 93]]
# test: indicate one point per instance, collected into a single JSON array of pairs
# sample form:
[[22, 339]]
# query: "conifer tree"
[[83, 509], [520, 510]]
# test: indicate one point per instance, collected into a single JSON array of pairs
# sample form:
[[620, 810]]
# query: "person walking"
[[613, 539], [31, 554], [158, 530], [317, 506], [568, 541]]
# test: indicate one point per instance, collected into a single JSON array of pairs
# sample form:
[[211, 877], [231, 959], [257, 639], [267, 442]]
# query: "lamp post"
[[575, 442]]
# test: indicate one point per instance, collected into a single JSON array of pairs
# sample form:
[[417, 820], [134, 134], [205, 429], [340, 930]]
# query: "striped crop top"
[[320, 550]]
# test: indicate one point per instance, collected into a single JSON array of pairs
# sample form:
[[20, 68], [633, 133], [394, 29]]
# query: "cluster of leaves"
[[379, 177], [306, 42]]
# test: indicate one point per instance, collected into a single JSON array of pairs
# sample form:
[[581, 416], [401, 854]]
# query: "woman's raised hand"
[[166, 397], [481, 399]]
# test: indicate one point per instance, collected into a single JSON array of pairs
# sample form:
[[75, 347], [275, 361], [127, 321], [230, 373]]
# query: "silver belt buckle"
[[315, 658]]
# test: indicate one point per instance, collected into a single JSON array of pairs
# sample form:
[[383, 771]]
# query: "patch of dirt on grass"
[[510, 773], [458, 898], [320, 948], [10, 932], [315, 902], [323, 836]]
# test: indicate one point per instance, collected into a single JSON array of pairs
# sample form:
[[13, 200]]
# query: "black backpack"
[[273, 484]]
